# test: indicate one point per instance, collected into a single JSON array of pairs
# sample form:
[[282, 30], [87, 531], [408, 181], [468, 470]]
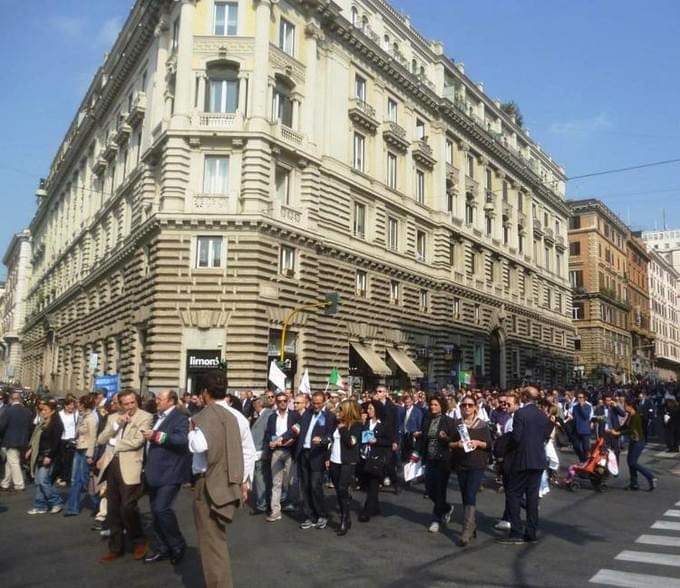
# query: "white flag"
[[305, 387], [276, 376]]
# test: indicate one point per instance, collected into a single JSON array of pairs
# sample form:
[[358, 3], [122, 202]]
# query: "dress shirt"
[[161, 416], [281, 423], [70, 421], [508, 425], [198, 446], [308, 438], [409, 410]]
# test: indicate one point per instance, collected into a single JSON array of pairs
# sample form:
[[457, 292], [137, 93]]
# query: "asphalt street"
[[616, 538]]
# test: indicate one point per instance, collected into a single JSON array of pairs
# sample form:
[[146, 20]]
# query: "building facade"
[[598, 261], [233, 161], [666, 243], [663, 292], [639, 319], [17, 260]]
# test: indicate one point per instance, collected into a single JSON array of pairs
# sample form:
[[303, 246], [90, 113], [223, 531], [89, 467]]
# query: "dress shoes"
[[140, 551], [154, 556], [177, 556], [110, 556]]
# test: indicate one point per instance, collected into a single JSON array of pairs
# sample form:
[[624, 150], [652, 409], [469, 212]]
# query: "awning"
[[405, 363], [377, 365]]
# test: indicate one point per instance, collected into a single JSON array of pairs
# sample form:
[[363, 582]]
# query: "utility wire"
[[623, 169]]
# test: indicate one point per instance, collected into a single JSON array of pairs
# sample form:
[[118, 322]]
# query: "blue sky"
[[597, 82]]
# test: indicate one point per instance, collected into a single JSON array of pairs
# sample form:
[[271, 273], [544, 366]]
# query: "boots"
[[469, 526], [345, 519]]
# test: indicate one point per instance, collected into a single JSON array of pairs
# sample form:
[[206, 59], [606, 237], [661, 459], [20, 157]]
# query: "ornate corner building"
[[234, 160]]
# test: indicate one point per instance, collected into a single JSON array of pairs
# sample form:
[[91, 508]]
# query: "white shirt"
[[70, 425], [508, 424], [407, 414], [281, 423], [335, 449], [161, 417], [308, 438]]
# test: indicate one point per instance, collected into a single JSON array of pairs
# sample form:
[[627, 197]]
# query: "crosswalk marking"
[[662, 559], [666, 525], [630, 580], [672, 513], [664, 540]]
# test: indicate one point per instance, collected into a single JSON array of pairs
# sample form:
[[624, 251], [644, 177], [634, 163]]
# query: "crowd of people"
[[278, 451]]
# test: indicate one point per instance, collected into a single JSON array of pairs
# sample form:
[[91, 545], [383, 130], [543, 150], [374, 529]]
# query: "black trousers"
[[64, 463], [518, 485], [311, 482], [122, 509], [342, 476], [168, 536], [372, 486]]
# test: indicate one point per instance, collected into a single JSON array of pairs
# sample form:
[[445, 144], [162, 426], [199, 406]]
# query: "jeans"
[[469, 482], [262, 485], [80, 477], [634, 452], [581, 446], [45, 495], [436, 483]]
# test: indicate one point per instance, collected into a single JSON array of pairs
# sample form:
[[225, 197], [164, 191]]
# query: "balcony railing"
[[395, 135], [422, 153], [287, 134], [452, 174], [363, 114], [471, 186], [110, 149], [538, 228], [138, 109]]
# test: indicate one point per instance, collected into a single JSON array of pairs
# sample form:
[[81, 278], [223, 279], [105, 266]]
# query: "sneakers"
[[36, 511], [434, 527], [57, 508], [510, 540], [273, 518], [321, 523], [446, 519], [502, 526], [653, 483], [105, 533], [387, 482], [307, 524]]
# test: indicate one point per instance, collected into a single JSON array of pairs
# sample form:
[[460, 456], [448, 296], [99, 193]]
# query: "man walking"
[[531, 429], [582, 413], [124, 475], [15, 429], [168, 466], [262, 475]]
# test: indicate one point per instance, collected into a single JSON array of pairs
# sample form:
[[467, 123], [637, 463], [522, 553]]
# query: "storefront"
[[366, 368], [199, 363]]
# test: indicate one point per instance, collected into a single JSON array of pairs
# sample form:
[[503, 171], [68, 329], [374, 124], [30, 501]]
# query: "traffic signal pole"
[[291, 316]]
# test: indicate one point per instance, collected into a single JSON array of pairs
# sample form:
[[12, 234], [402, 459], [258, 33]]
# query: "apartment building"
[[232, 161], [639, 319]]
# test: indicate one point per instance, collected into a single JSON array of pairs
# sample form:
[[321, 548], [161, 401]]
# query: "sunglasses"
[[467, 404]]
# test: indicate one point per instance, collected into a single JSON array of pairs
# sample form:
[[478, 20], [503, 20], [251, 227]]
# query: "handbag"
[[375, 466]]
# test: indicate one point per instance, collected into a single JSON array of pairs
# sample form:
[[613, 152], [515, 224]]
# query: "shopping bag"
[[612, 464], [413, 470]]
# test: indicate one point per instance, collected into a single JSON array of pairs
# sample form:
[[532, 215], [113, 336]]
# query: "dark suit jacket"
[[289, 437], [324, 428], [15, 426], [391, 419], [415, 420], [530, 431], [383, 440], [168, 461]]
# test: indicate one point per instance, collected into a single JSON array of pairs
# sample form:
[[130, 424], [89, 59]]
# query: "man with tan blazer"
[[123, 474]]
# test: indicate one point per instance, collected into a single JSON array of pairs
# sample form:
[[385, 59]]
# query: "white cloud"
[[108, 32], [70, 27], [582, 126]]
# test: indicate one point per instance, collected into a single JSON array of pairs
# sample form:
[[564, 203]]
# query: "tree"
[[512, 109]]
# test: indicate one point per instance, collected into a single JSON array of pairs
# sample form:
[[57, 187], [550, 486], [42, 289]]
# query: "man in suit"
[[221, 485], [262, 475], [316, 430], [15, 430], [391, 423], [168, 466], [279, 440], [410, 421], [531, 429], [123, 475]]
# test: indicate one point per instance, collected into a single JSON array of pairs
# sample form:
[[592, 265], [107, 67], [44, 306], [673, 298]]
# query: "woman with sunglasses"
[[471, 449], [375, 447]]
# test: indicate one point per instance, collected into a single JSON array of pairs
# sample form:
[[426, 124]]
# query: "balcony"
[[521, 218], [471, 186], [286, 134], [138, 110], [452, 175], [110, 149], [122, 133], [538, 228], [559, 243], [217, 120], [507, 209], [395, 136], [549, 236], [363, 114], [99, 166], [422, 153]]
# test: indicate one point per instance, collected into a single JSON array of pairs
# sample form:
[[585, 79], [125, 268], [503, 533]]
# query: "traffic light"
[[332, 302]]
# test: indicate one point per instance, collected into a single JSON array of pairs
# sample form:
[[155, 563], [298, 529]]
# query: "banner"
[[110, 383]]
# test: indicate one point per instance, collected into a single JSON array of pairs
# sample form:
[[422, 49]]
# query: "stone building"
[[17, 260], [232, 161], [639, 319], [665, 242], [598, 260]]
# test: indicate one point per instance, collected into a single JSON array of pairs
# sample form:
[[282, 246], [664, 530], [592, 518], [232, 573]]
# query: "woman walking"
[[434, 438], [344, 457], [471, 449], [84, 455], [43, 452], [375, 450]]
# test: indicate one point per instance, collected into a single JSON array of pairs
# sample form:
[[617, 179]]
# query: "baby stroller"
[[596, 468]]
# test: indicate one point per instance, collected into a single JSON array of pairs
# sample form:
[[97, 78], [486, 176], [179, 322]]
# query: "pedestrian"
[[67, 449], [582, 413], [410, 422], [344, 457], [633, 428], [262, 485], [215, 442], [316, 427], [376, 446], [15, 431], [531, 430], [43, 453], [470, 455], [434, 437], [83, 457], [123, 474], [391, 421], [168, 466]]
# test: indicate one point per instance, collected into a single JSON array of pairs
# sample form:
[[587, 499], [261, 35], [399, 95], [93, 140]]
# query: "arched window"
[[414, 67], [364, 23], [282, 105], [386, 41], [355, 16], [222, 94], [395, 48], [422, 71]]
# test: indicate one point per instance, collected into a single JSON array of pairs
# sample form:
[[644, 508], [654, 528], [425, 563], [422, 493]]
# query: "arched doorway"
[[497, 358]]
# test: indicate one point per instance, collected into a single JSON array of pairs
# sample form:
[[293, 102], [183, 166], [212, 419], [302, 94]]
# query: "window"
[[449, 152], [546, 220], [420, 187], [505, 191], [391, 170], [175, 36], [452, 251], [392, 234], [287, 36], [546, 253], [421, 245], [359, 161], [577, 311], [506, 234], [222, 93], [479, 359], [420, 129], [282, 179], [487, 180], [355, 16], [520, 240], [208, 252], [577, 344], [216, 175], [360, 281], [449, 202], [456, 308], [478, 314], [394, 292], [488, 221], [287, 261], [359, 220], [282, 106], [226, 18], [575, 222], [473, 263], [558, 227], [424, 300], [470, 166], [469, 212], [392, 110], [575, 248], [360, 88], [576, 278], [520, 202]]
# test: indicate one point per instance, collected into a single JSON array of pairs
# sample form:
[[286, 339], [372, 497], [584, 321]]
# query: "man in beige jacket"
[[124, 432]]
